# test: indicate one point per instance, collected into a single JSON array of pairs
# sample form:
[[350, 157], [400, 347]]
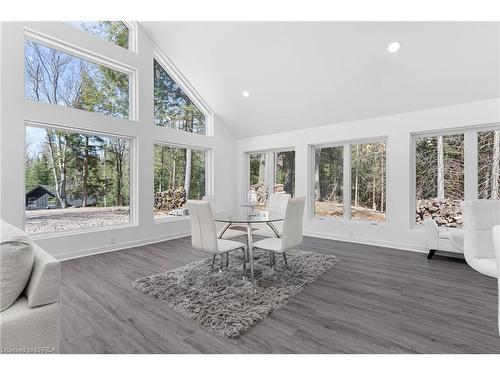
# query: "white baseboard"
[[120, 246], [128, 245], [392, 245]]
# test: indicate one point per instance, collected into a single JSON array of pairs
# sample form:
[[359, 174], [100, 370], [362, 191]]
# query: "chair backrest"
[[480, 216], [278, 202], [216, 202], [292, 225], [432, 234], [203, 231]]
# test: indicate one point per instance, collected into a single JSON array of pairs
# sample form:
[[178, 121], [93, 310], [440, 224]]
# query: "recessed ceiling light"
[[245, 94], [394, 47]]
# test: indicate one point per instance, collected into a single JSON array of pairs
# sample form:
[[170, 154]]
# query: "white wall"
[[16, 110], [398, 231]]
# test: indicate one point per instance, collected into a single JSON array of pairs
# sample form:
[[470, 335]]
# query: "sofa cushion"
[[16, 262]]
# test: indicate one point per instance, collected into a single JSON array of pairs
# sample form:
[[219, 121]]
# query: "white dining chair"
[[204, 233], [217, 205], [277, 203], [480, 216], [292, 232], [496, 242]]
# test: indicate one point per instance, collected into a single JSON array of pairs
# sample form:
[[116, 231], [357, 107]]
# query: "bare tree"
[[495, 166], [440, 167], [187, 176]]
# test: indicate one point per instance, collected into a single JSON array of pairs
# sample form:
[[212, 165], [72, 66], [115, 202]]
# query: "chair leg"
[[221, 262], [431, 253], [227, 260], [284, 258], [244, 258], [213, 261], [274, 259], [271, 260]]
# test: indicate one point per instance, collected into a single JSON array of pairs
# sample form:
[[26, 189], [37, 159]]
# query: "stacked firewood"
[[170, 199], [261, 190], [445, 212], [279, 188]]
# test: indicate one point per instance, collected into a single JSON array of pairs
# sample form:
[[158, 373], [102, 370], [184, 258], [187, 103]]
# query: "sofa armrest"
[[43, 285]]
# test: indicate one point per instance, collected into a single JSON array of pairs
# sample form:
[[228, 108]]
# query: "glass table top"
[[247, 215]]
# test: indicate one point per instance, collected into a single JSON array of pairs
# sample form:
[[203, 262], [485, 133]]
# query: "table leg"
[[250, 250]]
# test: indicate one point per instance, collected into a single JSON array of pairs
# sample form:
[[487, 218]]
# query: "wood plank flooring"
[[376, 300]]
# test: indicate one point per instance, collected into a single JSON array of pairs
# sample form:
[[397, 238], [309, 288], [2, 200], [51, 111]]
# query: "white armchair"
[[204, 233], [292, 232], [443, 239], [480, 216], [29, 288]]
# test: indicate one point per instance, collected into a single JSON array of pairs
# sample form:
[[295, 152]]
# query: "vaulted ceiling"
[[310, 74]]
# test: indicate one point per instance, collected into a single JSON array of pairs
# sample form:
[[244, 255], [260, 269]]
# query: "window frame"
[[347, 172], [208, 175], [132, 35], [187, 88], [73, 50], [133, 181], [470, 133]]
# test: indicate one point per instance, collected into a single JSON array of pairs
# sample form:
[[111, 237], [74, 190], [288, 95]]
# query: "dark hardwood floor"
[[376, 300]]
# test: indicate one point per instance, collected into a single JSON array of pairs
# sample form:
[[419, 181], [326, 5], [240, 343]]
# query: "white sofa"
[[443, 239], [29, 290]]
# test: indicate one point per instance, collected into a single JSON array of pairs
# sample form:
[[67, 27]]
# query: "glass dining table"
[[247, 216]]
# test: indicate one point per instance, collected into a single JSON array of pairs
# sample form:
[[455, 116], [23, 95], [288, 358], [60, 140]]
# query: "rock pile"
[[445, 212], [170, 199]]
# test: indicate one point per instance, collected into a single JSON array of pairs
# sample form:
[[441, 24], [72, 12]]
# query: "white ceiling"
[[310, 74]]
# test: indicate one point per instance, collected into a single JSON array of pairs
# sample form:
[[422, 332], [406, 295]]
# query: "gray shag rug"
[[223, 301]]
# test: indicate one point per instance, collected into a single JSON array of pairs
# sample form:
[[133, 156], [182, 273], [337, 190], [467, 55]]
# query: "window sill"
[[171, 219], [348, 221], [48, 235]]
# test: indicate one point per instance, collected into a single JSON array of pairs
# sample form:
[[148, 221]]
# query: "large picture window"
[[488, 149], [172, 107], [56, 77], [179, 175], [329, 181], [357, 178], [75, 180], [439, 179], [115, 32], [368, 181]]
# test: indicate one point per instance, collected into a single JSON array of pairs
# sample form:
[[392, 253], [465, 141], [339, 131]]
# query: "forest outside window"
[[172, 107], [328, 181], [439, 179], [179, 175], [284, 172], [56, 77], [488, 149], [75, 180], [368, 182], [115, 32]]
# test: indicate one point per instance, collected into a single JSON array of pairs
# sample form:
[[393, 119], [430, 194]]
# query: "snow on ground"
[[57, 220]]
